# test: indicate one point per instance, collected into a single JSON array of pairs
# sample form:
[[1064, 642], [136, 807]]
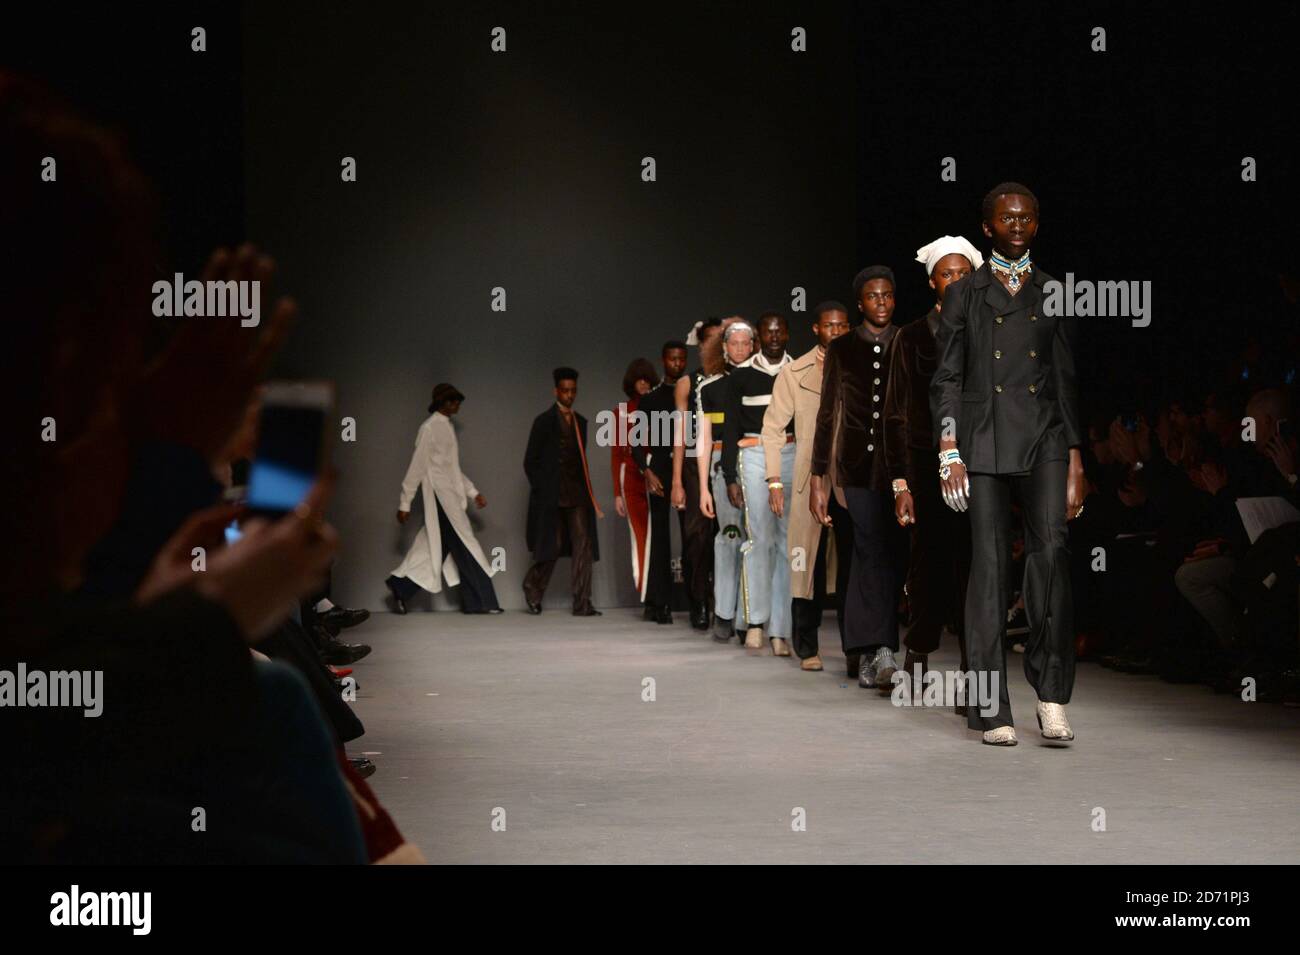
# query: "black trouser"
[[808, 612], [659, 566], [575, 523], [307, 606], [940, 559], [1049, 646], [697, 541], [476, 591], [870, 605], [289, 644]]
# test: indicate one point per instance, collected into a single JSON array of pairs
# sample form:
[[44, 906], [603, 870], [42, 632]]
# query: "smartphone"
[[292, 446]]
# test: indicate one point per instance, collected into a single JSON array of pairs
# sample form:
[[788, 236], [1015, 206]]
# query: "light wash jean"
[[765, 580]]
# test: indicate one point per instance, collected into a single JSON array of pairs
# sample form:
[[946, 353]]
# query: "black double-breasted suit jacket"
[[1006, 378]]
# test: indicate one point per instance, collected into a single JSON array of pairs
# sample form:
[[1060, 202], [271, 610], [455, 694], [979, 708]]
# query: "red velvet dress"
[[631, 486]]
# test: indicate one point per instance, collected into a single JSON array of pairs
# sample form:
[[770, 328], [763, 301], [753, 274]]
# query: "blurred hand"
[[776, 500], [706, 505], [736, 496], [819, 501], [620, 508], [480, 501], [653, 484], [679, 497], [904, 510], [173, 565], [196, 393], [956, 490], [259, 577], [403, 516], [1282, 455]]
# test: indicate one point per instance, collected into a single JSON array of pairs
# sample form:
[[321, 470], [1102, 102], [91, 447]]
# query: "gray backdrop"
[[522, 170]]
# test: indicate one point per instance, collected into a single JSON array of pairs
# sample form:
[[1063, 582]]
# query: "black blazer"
[[851, 417], [654, 405], [912, 360], [1006, 378], [542, 465]]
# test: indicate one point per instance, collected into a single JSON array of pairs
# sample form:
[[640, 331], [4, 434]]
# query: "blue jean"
[[765, 559], [726, 547]]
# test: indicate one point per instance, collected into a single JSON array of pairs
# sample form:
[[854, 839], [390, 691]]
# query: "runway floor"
[[539, 723]]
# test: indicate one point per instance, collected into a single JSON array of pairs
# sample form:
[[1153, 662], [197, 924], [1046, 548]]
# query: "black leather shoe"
[[336, 653], [365, 768], [664, 614], [534, 608], [648, 614], [340, 618], [399, 605], [589, 612], [721, 630], [853, 661]]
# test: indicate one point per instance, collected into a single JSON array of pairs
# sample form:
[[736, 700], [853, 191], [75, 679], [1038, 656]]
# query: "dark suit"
[[561, 510], [1005, 386], [850, 447], [940, 553], [655, 453]]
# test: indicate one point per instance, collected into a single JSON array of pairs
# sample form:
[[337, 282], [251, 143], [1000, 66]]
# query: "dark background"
[[775, 169]]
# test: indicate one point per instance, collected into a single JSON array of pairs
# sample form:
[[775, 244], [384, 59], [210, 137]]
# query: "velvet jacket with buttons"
[[912, 361], [851, 416], [1006, 382]]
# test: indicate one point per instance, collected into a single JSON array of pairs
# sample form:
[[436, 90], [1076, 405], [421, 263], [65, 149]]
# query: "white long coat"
[[435, 471]]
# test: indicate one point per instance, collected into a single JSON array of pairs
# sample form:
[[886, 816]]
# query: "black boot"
[[700, 616]]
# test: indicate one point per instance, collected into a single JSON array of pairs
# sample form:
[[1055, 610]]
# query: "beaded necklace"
[[1013, 270]]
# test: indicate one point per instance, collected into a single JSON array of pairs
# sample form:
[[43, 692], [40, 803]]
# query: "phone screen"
[[290, 442]]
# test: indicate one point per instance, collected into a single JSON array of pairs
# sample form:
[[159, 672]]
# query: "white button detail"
[[875, 414], [871, 447], [875, 364], [877, 348], [877, 381], [875, 397]]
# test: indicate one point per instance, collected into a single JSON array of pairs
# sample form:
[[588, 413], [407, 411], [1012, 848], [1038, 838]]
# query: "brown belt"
[[753, 441]]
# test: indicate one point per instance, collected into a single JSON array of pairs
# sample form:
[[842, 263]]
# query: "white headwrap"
[[929, 255]]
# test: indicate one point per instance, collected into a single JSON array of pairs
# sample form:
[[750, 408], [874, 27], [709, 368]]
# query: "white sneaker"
[[1001, 736], [1052, 721]]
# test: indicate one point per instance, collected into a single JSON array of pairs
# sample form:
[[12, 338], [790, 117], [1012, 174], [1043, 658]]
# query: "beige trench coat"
[[797, 394]]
